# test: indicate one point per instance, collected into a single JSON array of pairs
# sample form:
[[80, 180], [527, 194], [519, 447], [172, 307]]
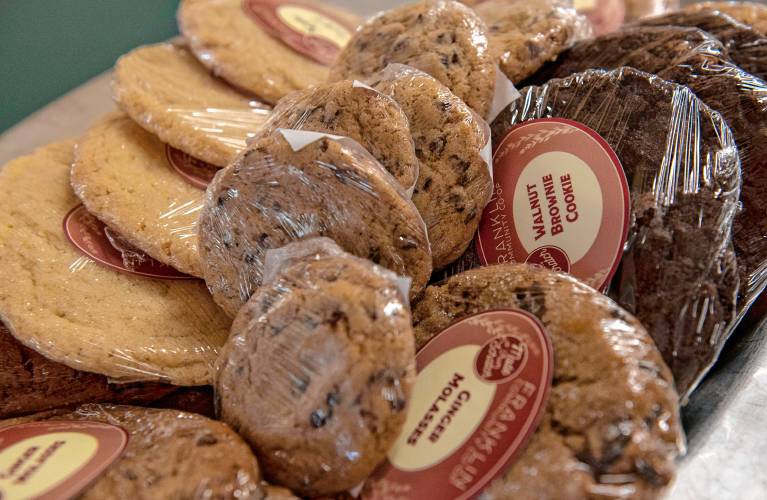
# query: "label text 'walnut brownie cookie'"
[[318, 371], [268, 47], [525, 34], [81, 313], [678, 272], [611, 424], [442, 38], [166, 91], [353, 110], [127, 452], [123, 175], [693, 58], [294, 185], [454, 182], [751, 13]]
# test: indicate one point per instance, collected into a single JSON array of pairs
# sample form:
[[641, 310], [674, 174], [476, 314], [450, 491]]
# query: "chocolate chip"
[[427, 183], [333, 398], [318, 418], [445, 61], [445, 106], [437, 146], [250, 258], [207, 440], [400, 45], [454, 60], [398, 404]]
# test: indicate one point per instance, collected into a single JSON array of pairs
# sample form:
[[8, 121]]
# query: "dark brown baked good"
[[611, 427], [170, 454], [678, 273], [753, 14], [693, 58], [273, 195], [746, 47], [30, 382], [318, 371]]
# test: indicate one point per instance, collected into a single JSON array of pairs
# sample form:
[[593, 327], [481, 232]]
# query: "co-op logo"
[[501, 359]]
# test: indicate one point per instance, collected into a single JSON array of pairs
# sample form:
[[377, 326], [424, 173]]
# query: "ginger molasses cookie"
[[319, 368], [611, 424], [168, 454], [57, 300], [294, 185], [166, 91], [267, 47], [124, 177], [445, 39]]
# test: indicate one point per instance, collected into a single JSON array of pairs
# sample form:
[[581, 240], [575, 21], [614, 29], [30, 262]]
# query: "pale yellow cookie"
[[239, 49], [122, 175], [73, 310], [166, 91]]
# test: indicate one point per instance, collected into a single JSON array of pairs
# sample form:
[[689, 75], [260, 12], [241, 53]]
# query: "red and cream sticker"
[[55, 459], [94, 239], [196, 172], [560, 200], [481, 390], [305, 27]]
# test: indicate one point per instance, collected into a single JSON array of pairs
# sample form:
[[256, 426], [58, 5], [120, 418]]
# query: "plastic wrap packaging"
[[169, 454], [611, 427], [355, 110], [165, 90], [65, 292], [297, 184], [678, 273], [445, 39], [695, 59], [753, 14], [268, 47], [524, 34], [318, 371], [745, 46]]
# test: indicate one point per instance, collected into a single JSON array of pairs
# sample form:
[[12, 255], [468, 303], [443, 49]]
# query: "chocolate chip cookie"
[[684, 194], [170, 454], [353, 110], [318, 372], [442, 38], [454, 184], [281, 191], [611, 423]]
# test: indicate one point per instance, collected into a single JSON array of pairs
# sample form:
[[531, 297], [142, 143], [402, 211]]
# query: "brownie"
[[693, 58], [678, 273]]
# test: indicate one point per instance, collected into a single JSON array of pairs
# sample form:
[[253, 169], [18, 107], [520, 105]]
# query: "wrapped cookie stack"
[[316, 256]]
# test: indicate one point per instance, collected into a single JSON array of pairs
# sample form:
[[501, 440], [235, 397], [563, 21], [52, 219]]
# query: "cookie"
[[170, 454], [442, 38], [29, 383], [693, 58], [318, 371], [230, 38], [273, 195], [611, 424], [523, 35], [454, 184], [123, 176], [678, 274], [166, 91], [745, 47], [751, 13], [352, 110], [75, 311]]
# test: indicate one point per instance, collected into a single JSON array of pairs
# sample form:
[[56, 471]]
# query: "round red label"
[[56, 459], [481, 391], [94, 239], [560, 200], [196, 172], [305, 27]]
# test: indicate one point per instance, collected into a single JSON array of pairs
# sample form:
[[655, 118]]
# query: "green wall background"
[[48, 47]]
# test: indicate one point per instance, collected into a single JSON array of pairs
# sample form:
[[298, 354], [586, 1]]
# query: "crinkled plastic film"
[[691, 57], [753, 13], [611, 428], [746, 47], [169, 93], [319, 352], [169, 454], [678, 273], [355, 110], [59, 301]]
